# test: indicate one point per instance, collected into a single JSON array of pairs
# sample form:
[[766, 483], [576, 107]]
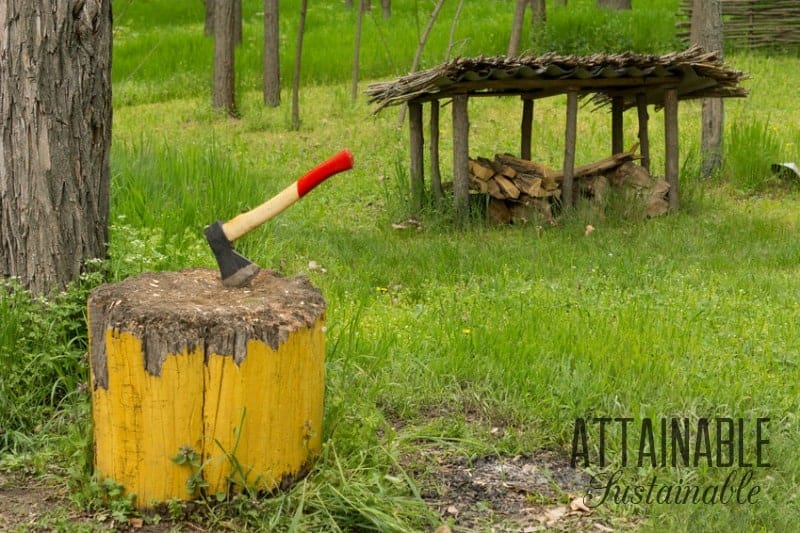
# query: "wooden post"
[[617, 104], [461, 157], [571, 132], [436, 174], [526, 128], [644, 136], [671, 141], [193, 382], [417, 172]]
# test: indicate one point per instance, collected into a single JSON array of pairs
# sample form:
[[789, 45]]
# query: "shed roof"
[[694, 72]]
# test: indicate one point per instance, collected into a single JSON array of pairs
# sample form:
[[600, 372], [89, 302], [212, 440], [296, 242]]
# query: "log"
[[196, 386]]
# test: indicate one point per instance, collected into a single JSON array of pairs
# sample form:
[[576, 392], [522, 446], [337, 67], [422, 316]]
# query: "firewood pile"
[[521, 191]]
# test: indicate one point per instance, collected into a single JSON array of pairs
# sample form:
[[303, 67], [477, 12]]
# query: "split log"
[[196, 385]]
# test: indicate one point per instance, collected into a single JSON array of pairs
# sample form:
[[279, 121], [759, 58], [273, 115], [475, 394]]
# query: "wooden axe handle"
[[250, 220]]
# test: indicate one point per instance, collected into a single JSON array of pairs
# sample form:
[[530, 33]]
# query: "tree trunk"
[[516, 28], [237, 19], [55, 136], [272, 55], [224, 73], [298, 55], [706, 31], [614, 4], [538, 12], [386, 7]]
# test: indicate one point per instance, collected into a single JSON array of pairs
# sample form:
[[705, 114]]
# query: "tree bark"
[[224, 73], [55, 136], [614, 4], [516, 28], [706, 31], [386, 8], [272, 56]]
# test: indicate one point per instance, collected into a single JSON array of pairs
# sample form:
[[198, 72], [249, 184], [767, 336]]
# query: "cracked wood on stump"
[[181, 364]]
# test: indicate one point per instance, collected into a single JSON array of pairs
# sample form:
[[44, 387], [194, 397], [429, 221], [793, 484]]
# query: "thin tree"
[[516, 28], [386, 8], [421, 46], [298, 54], [706, 31], [224, 96], [55, 138], [357, 53], [453, 24], [272, 55], [538, 12]]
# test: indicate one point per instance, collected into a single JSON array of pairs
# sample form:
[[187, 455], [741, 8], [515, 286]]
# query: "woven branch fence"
[[753, 23]]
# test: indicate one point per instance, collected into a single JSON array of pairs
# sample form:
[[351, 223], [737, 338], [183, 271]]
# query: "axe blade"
[[235, 269]]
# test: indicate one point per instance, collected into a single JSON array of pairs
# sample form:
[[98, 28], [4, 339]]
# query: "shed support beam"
[[671, 141], [616, 125], [417, 171], [461, 157], [526, 129], [569, 148], [644, 136], [436, 175]]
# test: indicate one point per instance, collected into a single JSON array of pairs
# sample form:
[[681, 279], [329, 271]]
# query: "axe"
[[235, 269]]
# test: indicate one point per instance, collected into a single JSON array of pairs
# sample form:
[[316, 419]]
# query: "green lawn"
[[474, 343]]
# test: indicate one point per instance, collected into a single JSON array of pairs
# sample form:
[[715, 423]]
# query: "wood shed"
[[617, 82]]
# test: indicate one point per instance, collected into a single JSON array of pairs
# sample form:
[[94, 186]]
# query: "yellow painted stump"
[[196, 385]]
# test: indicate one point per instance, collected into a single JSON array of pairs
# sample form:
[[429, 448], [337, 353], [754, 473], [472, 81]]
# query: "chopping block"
[[198, 388]]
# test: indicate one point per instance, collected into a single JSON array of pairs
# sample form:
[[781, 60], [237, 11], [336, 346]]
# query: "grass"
[[437, 336]]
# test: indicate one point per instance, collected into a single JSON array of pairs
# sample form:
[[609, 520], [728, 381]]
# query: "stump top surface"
[[174, 312], [198, 294]]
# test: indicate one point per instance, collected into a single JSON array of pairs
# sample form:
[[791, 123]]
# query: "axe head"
[[235, 269]]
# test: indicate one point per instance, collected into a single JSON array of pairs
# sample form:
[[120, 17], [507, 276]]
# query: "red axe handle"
[[250, 220]]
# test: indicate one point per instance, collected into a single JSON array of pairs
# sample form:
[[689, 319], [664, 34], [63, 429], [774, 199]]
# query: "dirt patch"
[[540, 492], [25, 503], [32, 504]]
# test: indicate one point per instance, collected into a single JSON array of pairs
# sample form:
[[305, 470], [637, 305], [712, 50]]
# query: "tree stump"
[[200, 387]]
